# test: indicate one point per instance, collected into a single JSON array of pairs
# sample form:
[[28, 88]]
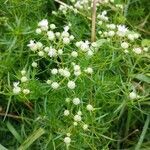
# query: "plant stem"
[[93, 36]]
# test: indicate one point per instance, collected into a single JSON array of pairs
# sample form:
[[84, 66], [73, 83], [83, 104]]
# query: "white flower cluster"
[[86, 47], [82, 4], [16, 89], [22, 88], [77, 70], [63, 9], [67, 140], [78, 116], [103, 16], [44, 50], [126, 37], [43, 25]]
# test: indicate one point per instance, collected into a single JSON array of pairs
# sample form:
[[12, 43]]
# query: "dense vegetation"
[[59, 90]]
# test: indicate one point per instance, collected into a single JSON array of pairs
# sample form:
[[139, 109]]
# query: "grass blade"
[[143, 133], [2, 147], [14, 132], [34, 136]]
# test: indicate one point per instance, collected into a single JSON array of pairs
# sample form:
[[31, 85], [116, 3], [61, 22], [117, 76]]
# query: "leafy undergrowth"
[[61, 91]]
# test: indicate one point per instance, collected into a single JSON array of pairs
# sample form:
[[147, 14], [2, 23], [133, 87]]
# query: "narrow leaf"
[[142, 77], [34, 136], [14, 132], [143, 133], [2, 147]]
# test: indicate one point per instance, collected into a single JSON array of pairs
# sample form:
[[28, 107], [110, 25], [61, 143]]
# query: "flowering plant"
[[84, 87]]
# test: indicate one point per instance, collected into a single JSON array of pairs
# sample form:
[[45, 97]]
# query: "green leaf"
[[101, 42], [143, 78], [138, 146], [34, 136], [2, 147], [14, 132]]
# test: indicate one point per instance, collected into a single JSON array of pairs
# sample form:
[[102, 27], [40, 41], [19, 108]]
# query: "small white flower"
[[111, 33], [38, 31], [65, 34], [77, 118], [71, 37], [112, 26], [15, 84], [43, 24], [61, 71], [66, 73], [130, 37], [75, 123], [84, 47], [77, 73], [26, 91], [78, 44], [46, 49], [67, 140], [85, 127], [122, 30], [54, 71], [136, 35], [74, 54], [52, 52], [51, 35], [89, 70], [66, 28], [52, 26], [32, 45], [16, 90], [89, 107], [66, 40], [71, 85], [66, 113], [23, 72], [34, 64], [48, 81], [76, 101], [24, 79], [60, 52], [137, 50], [57, 34], [132, 95], [124, 45], [55, 85], [76, 67], [41, 53]]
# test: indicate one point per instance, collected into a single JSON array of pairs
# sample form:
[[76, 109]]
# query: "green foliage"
[[36, 121]]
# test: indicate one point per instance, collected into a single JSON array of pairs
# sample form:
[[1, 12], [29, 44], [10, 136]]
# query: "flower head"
[[71, 85]]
